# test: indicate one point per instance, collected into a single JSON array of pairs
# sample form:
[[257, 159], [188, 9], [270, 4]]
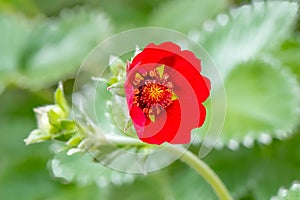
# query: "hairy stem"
[[203, 170], [189, 158]]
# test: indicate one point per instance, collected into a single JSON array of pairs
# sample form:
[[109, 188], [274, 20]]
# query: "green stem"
[[203, 170], [189, 158]]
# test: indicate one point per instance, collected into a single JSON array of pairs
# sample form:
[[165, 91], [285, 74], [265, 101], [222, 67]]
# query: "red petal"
[[173, 126], [202, 114], [183, 68], [165, 127], [137, 116], [190, 58], [154, 53]]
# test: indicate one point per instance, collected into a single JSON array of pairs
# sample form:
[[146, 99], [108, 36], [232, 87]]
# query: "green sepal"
[[36, 136], [128, 124], [68, 124], [74, 141], [174, 96], [60, 99], [54, 118], [152, 118], [161, 70], [64, 135], [112, 81]]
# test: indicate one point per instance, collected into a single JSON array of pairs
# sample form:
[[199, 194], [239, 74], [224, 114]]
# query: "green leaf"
[[81, 168], [39, 52], [288, 54], [14, 32], [187, 15], [58, 47], [247, 32], [262, 103], [293, 193], [30, 176]]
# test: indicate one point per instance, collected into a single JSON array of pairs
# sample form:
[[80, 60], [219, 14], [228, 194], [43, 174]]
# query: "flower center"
[[153, 92]]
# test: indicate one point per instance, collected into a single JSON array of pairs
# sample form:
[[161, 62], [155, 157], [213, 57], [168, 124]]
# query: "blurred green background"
[[258, 50]]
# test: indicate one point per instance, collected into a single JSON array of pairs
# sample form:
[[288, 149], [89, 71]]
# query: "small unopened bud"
[[117, 88], [116, 65]]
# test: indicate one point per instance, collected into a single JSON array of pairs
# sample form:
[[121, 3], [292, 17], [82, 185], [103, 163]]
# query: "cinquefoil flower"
[[164, 92]]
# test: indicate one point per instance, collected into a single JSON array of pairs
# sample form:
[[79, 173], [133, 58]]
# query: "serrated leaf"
[[261, 99], [247, 32], [61, 45], [262, 103], [288, 54], [30, 175], [80, 168], [293, 193], [39, 52], [187, 15], [14, 32]]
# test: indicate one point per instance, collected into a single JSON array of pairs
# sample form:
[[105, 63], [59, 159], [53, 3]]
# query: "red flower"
[[164, 91]]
